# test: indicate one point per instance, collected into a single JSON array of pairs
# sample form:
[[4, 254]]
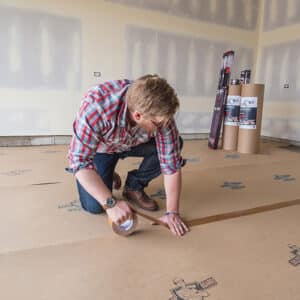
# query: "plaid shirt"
[[101, 127]]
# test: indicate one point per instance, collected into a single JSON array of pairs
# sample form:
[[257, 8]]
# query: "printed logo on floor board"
[[283, 177], [51, 151], [295, 260], [71, 206], [233, 185], [191, 291], [15, 172], [192, 160], [232, 156], [160, 193]]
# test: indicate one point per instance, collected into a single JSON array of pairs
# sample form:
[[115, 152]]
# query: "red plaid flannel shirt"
[[101, 126]]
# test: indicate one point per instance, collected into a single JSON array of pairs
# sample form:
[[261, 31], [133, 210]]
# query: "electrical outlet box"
[[97, 74]]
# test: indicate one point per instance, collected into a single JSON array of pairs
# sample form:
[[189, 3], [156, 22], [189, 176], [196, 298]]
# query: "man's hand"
[[120, 212], [175, 223]]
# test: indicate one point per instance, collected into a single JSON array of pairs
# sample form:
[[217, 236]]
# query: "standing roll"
[[252, 97], [231, 118]]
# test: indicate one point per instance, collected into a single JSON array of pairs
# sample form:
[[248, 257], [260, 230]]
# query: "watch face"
[[110, 202]]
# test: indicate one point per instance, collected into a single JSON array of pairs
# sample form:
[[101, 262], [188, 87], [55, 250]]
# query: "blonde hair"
[[152, 96]]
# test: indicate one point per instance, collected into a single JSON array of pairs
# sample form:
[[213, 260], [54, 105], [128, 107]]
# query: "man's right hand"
[[120, 212]]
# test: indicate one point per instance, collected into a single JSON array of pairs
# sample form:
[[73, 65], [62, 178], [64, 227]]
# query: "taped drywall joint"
[[295, 260], [192, 290]]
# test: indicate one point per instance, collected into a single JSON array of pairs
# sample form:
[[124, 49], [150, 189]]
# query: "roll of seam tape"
[[252, 97], [231, 119], [126, 228]]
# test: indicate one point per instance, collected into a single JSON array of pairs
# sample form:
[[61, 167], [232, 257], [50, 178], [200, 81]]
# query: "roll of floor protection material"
[[252, 96], [231, 118], [126, 228]]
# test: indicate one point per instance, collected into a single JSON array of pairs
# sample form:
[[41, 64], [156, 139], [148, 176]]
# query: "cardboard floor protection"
[[51, 249]]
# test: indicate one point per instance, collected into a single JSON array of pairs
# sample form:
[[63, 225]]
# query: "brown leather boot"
[[117, 182], [141, 199]]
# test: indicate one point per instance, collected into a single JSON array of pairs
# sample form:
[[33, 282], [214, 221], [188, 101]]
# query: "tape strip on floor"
[[228, 215]]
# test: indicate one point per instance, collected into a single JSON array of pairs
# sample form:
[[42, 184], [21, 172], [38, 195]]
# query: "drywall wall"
[[50, 51], [39, 50], [280, 13], [41, 69], [191, 64], [240, 14], [278, 64]]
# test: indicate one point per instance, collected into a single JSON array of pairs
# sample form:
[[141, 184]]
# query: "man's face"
[[150, 124]]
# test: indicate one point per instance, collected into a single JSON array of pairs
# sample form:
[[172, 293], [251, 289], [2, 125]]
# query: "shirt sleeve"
[[168, 148], [86, 137]]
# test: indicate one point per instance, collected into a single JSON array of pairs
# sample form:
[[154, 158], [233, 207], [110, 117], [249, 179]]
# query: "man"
[[125, 118]]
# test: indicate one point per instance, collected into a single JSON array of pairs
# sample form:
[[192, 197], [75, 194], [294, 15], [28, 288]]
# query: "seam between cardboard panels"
[[52, 245], [191, 223], [236, 166]]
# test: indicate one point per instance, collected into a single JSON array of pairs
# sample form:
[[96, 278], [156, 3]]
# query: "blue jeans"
[[136, 179]]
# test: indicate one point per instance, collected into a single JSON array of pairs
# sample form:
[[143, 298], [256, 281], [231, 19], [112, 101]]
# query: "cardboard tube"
[[252, 97], [231, 120], [126, 228]]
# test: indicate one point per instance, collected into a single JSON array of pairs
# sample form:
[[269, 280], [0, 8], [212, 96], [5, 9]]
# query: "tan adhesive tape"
[[126, 228], [129, 226]]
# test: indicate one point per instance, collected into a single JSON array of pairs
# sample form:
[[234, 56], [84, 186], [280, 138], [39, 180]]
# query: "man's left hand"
[[175, 223]]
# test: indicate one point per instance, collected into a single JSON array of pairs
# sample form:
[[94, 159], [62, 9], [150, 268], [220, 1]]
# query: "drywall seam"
[[155, 21], [280, 35], [233, 13], [257, 56]]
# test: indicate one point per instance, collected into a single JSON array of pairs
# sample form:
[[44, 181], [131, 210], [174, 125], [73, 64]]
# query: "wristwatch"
[[110, 203]]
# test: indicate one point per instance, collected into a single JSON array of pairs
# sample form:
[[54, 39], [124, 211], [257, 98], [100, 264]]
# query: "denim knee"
[[88, 203], [94, 208], [180, 142]]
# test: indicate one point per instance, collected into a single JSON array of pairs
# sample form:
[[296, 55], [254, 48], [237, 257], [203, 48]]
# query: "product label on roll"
[[232, 110], [248, 112]]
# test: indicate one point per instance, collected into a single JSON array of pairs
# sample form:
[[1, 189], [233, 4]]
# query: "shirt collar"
[[122, 116]]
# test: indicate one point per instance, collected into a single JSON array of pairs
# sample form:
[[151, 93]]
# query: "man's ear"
[[137, 116]]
